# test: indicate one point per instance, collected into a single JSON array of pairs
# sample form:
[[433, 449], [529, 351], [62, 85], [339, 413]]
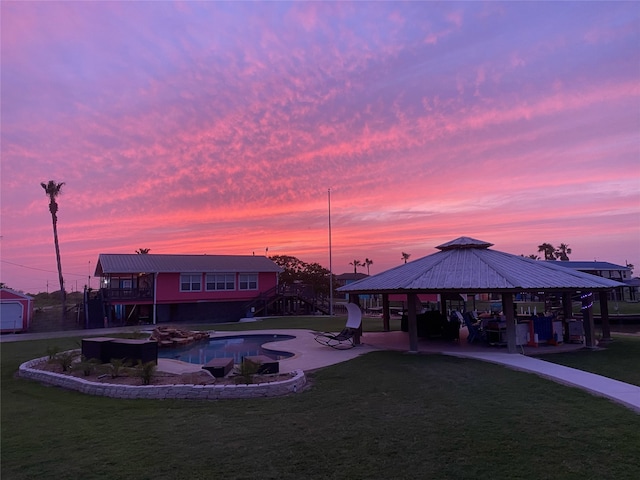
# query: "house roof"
[[109, 263], [590, 265], [634, 282], [10, 294], [467, 265], [351, 276]]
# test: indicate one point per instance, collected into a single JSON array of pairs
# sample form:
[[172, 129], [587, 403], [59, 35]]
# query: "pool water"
[[235, 347]]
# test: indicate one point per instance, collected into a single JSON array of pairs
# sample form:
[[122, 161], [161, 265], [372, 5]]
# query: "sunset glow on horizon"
[[219, 128]]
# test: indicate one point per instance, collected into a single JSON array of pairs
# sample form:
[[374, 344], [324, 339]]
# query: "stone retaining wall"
[[194, 392]]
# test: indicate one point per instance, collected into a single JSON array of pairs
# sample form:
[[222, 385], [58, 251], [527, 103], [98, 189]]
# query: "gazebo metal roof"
[[467, 265]]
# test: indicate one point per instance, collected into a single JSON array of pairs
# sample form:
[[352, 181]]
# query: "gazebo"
[[468, 266]]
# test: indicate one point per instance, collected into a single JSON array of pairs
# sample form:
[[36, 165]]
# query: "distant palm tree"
[[356, 264], [53, 190], [562, 252], [548, 250], [405, 256], [143, 251], [367, 263]]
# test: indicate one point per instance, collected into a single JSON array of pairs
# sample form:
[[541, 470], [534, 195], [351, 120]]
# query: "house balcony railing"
[[122, 294]]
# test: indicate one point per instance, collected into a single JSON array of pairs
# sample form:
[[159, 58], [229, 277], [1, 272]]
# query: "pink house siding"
[[423, 297], [168, 289]]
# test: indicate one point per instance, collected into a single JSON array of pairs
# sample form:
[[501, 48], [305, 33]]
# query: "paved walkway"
[[310, 355]]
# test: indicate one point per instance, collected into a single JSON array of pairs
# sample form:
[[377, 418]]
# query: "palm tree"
[[548, 250], [356, 264], [143, 251], [367, 263], [562, 253], [405, 256], [53, 190]]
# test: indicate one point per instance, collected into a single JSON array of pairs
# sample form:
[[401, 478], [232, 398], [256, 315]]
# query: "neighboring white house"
[[608, 270]]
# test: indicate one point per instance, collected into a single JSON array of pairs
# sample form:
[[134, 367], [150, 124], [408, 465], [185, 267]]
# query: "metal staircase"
[[303, 294]]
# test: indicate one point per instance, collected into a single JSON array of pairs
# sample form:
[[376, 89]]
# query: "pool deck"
[[310, 355]]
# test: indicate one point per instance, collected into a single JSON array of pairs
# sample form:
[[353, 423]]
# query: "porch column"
[[508, 311], [604, 316], [385, 312], [155, 296], [412, 300]]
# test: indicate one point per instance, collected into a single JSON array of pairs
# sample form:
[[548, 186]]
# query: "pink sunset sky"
[[218, 128]]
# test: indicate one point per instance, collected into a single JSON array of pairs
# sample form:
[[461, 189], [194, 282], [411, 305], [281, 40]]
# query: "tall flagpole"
[[330, 261]]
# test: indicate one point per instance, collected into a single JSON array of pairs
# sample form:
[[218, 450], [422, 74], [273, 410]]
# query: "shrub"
[[64, 359], [247, 370], [86, 366], [52, 352], [116, 367], [146, 371]]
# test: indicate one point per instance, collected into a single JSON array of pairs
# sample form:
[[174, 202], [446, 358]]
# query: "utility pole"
[[330, 260]]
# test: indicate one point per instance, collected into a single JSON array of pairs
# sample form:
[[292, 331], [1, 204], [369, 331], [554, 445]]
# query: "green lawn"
[[620, 359], [385, 415]]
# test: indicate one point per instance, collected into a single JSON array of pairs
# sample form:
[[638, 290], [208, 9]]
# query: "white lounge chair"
[[344, 339]]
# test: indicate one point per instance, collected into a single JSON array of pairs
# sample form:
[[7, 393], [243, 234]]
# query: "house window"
[[190, 282], [248, 281], [221, 281]]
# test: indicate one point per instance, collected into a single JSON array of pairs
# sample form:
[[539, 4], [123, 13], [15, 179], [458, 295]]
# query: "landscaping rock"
[[171, 336]]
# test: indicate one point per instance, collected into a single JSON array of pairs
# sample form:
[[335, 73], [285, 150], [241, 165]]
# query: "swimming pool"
[[236, 347]]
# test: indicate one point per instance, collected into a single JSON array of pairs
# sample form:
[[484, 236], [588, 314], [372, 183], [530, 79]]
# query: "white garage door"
[[11, 316]]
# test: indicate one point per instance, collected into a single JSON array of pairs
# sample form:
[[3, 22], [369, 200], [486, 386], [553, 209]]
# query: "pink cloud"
[[455, 18], [223, 133]]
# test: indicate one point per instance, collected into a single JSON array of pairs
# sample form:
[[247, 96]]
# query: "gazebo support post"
[[386, 316], [509, 313], [604, 316], [567, 311], [587, 320], [354, 298], [412, 300]]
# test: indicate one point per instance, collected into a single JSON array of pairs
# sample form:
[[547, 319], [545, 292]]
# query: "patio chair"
[[344, 339]]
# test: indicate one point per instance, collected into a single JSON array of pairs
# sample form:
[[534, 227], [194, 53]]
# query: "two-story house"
[[150, 288]]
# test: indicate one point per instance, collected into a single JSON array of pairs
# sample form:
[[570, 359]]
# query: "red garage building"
[[16, 311]]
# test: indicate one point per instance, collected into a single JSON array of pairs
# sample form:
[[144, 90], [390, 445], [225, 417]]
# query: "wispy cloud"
[[218, 127]]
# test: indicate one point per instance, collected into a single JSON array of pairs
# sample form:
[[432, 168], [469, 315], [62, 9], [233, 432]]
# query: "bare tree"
[[143, 251], [405, 256], [53, 190]]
